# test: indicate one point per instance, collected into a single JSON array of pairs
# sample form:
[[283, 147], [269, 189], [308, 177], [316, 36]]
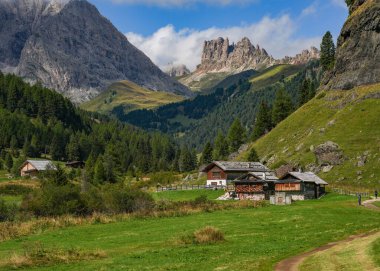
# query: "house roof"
[[238, 166], [264, 176], [41, 165], [307, 177]]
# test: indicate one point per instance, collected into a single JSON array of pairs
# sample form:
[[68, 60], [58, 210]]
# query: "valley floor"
[[256, 239]]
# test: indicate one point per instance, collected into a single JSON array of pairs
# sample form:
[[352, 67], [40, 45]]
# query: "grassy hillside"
[[205, 82], [255, 239], [275, 74], [130, 96], [349, 118]]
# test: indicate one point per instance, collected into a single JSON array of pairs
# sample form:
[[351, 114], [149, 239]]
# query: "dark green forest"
[[198, 121], [38, 122]]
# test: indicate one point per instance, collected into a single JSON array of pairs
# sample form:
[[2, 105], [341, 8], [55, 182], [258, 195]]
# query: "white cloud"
[[168, 46], [339, 3], [180, 3], [309, 10]]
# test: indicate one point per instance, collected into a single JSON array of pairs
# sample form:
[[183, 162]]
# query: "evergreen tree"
[[282, 106], [17, 164], [303, 93], [26, 149], [8, 162], [188, 160], [58, 177], [263, 123], [327, 52], [13, 144], [236, 135], [252, 156], [221, 148], [89, 168], [207, 154], [73, 151], [99, 172], [312, 90]]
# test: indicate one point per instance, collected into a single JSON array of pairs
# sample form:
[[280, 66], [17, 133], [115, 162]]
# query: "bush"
[[53, 200], [206, 235], [14, 190], [118, 199], [7, 212]]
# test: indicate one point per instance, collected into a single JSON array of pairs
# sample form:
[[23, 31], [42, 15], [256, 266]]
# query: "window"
[[216, 175]]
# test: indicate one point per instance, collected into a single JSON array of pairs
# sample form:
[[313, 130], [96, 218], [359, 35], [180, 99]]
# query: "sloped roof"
[[42, 165], [238, 166], [308, 177]]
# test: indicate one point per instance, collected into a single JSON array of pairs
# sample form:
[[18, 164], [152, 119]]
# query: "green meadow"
[[255, 238]]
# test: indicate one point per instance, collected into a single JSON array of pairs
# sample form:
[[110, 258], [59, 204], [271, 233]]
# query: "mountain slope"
[[347, 118], [76, 51], [131, 97]]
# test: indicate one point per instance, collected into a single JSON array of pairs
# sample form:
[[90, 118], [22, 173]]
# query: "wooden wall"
[[210, 175], [249, 188], [288, 187]]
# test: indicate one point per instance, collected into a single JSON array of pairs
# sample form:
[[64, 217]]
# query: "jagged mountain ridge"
[[219, 56], [69, 46]]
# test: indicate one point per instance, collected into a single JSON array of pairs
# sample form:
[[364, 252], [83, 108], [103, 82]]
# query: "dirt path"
[[368, 204], [293, 263]]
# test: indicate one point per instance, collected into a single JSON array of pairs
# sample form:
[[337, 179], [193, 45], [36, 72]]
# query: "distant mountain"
[[69, 46], [220, 59], [177, 70]]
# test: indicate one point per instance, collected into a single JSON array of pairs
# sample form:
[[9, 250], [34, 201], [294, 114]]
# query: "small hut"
[[33, 167]]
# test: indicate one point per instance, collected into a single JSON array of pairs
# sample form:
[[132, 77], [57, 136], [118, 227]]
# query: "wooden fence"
[[350, 192], [193, 187]]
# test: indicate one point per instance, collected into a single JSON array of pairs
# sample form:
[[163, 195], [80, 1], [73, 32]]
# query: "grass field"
[[131, 96], [274, 74], [349, 118], [255, 238], [376, 251], [206, 82], [187, 195], [358, 254], [376, 204]]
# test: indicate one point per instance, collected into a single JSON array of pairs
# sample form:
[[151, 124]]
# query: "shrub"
[[54, 200], [14, 190], [7, 212], [206, 235], [119, 199]]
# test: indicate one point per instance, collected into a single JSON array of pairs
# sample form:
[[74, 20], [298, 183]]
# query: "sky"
[[172, 32]]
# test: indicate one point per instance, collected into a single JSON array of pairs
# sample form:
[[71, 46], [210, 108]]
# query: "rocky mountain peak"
[[177, 70], [69, 46], [358, 50]]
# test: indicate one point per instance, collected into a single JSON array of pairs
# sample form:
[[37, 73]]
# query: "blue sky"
[[173, 31]]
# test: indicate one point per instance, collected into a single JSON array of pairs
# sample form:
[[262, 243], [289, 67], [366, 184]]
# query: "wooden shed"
[[33, 167], [301, 185], [255, 187]]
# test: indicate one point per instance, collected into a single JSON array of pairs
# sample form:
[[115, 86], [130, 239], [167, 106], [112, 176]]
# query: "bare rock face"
[[358, 50], [177, 70], [219, 56], [329, 153], [70, 47]]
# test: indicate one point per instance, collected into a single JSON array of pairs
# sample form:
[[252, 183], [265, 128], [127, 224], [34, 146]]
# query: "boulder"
[[329, 153]]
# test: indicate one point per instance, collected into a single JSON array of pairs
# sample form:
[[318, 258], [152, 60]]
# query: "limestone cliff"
[[358, 50]]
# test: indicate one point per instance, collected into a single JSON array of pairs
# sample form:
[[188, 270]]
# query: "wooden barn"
[[301, 185], [33, 167], [222, 173], [253, 187]]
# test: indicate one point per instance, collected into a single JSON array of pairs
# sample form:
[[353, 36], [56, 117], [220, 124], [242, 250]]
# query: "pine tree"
[[8, 162], [303, 92], [221, 148], [312, 90], [252, 156], [207, 154], [327, 52], [73, 151], [99, 172], [58, 176], [263, 123], [236, 135], [13, 144], [282, 106], [188, 160]]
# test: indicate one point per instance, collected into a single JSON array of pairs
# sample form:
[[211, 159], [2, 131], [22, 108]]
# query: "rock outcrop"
[[177, 70], [358, 50], [219, 56], [329, 153], [70, 47]]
